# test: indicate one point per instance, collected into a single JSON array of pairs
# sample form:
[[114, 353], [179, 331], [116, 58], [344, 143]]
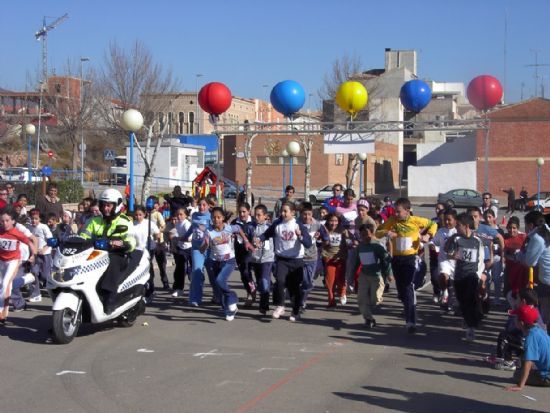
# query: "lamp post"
[[82, 60], [197, 100], [29, 130], [293, 149], [131, 121], [285, 155], [540, 162], [362, 158]]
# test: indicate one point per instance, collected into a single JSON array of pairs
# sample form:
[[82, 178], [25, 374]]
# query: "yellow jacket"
[[408, 231]]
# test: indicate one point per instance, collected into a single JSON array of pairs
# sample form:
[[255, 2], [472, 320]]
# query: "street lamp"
[[197, 100], [293, 149], [131, 121], [82, 148], [29, 130], [285, 155], [540, 162], [362, 158]]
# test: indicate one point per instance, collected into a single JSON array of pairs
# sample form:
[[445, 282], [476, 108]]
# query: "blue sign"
[[46, 170]]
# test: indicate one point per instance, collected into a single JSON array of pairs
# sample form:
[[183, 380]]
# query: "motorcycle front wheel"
[[66, 323]]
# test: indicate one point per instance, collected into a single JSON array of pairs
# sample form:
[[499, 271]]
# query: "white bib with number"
[[403, 243], [8, 244], [467, 254], [367, 258], [335, 240]]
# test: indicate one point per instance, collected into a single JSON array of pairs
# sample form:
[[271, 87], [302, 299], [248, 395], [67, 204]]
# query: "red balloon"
[[215, 98], [484, 92]]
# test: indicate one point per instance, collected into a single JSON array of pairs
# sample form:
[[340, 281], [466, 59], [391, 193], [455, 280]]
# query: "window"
[[58, 88], [170, 120], [173, 157], [339, 159], [181, 120], [191, 122], [161, 121]]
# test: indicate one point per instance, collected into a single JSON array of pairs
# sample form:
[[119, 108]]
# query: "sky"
[[250, 45]]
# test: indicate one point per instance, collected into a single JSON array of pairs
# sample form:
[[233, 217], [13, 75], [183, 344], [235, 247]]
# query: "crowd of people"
[[356, 246]]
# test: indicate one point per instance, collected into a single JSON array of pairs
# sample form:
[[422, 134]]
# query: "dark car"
[[463, 198]]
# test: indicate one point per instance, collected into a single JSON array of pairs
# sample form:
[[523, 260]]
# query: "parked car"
[[531, 202], [463, 198], [543, 205], [19, 175], [319, 195]]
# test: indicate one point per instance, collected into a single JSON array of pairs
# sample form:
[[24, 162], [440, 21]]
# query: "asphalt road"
[[191, 360]]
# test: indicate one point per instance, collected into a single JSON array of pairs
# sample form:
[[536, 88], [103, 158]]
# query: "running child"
[[181, 248], [515, 273], [242, 255], [263, 258], [445, 265], [43, 260]]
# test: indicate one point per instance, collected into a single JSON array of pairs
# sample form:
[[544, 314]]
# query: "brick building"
[[519, 134]]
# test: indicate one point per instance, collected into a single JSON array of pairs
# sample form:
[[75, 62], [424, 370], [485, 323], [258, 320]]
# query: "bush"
[[69, 191]]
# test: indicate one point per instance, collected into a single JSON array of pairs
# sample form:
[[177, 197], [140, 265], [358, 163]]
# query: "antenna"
[[42, 35], [536, 66]]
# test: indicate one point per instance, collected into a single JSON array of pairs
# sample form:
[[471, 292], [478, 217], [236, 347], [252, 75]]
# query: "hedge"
[[69, 191]]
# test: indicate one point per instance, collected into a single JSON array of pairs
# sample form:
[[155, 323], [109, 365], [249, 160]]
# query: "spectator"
[[289, 197], [336, 200], [3, 196], [49, 203], [511, 199], [11, 193], [487, 203], [177, 200]]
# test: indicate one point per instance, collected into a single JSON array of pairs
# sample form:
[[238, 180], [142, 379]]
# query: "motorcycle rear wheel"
[[66, 324]]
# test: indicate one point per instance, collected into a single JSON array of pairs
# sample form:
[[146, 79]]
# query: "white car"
[[19, 174], [319, 195]]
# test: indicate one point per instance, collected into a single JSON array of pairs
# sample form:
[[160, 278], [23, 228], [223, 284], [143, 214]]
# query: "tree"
[[132, 79], [342, 69]]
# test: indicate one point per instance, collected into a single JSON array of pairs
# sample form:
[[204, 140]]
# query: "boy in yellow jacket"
[[406, 232]]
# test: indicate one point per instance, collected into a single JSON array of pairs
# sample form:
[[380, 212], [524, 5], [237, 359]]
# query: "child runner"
[[434, 254], [311, 256], [44, 254], [242, 255], [467, 249], [497, 270], [404, 232], [516, 274], [220, 263], [160, 251], [146, 241], [445, 265], [374, 261], [288, 238], [262, 258], [348, 213], [334, 253], [10, 256], [200, 220], [182, 251], [537, 350]]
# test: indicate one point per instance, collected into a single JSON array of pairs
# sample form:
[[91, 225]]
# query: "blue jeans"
[[221, 271], [197, 276], [307, 282], [16, 298], [404, 268], [262, 271]]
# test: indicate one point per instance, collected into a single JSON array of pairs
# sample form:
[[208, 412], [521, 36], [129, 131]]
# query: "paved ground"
[[192, 360]]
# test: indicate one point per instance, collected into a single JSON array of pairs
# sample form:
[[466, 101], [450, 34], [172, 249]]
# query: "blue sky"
[[247, 44]]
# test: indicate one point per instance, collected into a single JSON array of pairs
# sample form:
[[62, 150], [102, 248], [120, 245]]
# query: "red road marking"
[[296, 372]]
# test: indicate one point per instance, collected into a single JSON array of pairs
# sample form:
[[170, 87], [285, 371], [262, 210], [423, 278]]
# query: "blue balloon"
[[415, 95], [288, 97]]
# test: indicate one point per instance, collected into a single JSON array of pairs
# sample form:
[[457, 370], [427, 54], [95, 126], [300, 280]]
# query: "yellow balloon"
[[352, 97]]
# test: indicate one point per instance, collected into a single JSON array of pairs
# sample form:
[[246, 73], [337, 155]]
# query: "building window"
[[191, 122], [170, 120], [181, 119], [339, 159], [173, 157], [161, 121]]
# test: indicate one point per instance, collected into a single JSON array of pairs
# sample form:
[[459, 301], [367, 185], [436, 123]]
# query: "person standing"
[[336, 200], [289, 197], [511, 195], [487, 203], [50, 203]]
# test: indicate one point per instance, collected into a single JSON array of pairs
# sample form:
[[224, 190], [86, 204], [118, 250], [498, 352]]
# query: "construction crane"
[[42, 34]]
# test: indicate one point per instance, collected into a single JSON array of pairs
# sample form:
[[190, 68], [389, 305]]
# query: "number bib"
[[467, 254], [403, 243], [8, 244], [335, 240], [367, 258]]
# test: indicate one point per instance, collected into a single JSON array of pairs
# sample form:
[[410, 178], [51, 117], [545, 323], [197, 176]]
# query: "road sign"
[[109, 155]]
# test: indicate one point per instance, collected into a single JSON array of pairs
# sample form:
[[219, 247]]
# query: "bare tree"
[[307, 145], [342, 69], [132, 79]]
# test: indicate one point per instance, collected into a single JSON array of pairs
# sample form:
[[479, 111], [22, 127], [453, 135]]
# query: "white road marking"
[[529, 397], [214, 353], [144, 350], [270, 368], [225, 382], [63, 372]]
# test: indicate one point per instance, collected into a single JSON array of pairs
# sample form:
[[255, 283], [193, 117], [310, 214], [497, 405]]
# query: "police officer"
[[118, 229]]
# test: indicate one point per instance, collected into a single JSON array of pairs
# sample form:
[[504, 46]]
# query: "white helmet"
[[113, 196]]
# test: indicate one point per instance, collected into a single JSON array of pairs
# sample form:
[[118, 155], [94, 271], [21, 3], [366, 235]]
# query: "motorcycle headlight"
[[67, 274]]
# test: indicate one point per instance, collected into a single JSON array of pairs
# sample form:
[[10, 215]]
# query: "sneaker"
[[28, 278], [470, 335], [177, 293], [368, 324], [505, 365], [278, 312], [444, 300], [344, 299], [194, 304], [36, 299], [231, 316], [18, 310], [435, 299], [294, 317]]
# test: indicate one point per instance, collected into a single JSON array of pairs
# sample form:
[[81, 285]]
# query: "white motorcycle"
[[74, 286]]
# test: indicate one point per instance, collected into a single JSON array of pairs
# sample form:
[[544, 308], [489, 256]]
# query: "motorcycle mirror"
[[52, 242], [150, 204], [120, 229]]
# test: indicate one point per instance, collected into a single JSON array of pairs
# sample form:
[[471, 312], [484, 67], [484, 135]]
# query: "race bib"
[[403, 243], [367, 258], [467, 254], [8, 244], [350, 215], [335, 240], [267, 245]]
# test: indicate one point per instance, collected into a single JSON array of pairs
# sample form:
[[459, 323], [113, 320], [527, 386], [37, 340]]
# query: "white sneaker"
[[294, 317], [36, 299], [279, 311], [28, 278], [344, 300], [231, 315], [177, 293]]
